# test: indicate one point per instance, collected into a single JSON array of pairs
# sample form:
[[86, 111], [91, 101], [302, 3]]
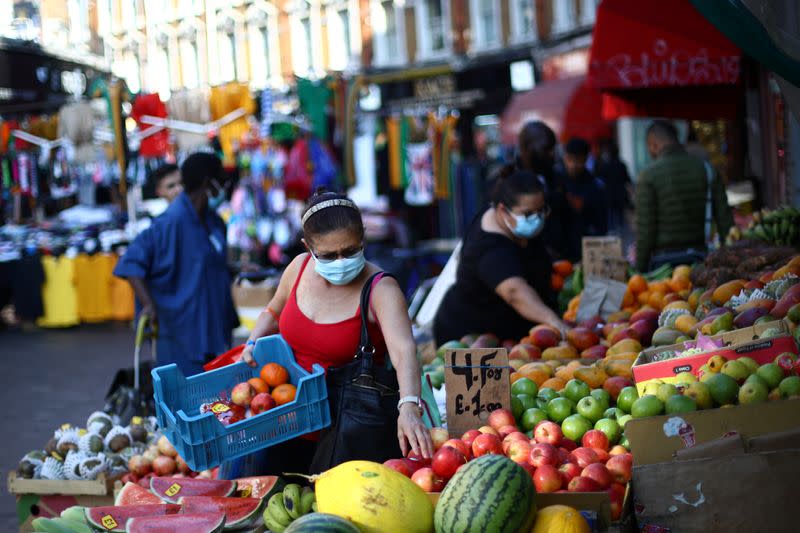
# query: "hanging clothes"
[[93, 282], [76, 123], [59, 294], [224, 100], [154, 145], [121, 292], [28, 279], [297, 174], [314, 97], [189, 106], [397, 139], [419, 166]]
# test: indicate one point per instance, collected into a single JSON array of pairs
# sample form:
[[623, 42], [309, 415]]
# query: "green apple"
[[753, 392], [686, 377], [591, 408], [610, 428], [647, 405], [541, 403], [614, 413], [531, 417], [626, 397], [790, 386], [701, 394], [524, 386], [750, 363], [624, 420], [771, 373], [724, 389], [651, 387], [576, 389], [755, 378], [527, 400], [574, 426], [547, 394], [736, 369], [679, 404], [602, 396], [516, 407], [624, 443], [559, 408], [666, 391]]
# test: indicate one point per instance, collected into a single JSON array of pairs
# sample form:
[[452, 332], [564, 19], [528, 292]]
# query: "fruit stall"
[[636, 420]]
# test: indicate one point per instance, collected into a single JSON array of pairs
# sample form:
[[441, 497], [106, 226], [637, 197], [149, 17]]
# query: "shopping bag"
[[131, 391], [228, 358]]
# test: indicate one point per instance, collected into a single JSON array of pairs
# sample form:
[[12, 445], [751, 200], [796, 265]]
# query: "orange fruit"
[[274, 374], [284, 393], [563, 268], [643, 297], [656, 300], [679, 284], [556, 282], [258, 384], [659, 286], [629, 299], [637, 284]]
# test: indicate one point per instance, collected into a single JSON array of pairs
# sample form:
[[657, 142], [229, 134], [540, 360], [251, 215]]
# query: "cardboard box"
[[47, 498], [738, 343], [246, 294], [730, 486]]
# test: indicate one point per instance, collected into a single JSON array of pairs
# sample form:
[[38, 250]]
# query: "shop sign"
[[477, 382], [435, 86]]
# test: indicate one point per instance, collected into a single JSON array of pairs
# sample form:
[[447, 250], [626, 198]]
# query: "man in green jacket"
[[671, 198]]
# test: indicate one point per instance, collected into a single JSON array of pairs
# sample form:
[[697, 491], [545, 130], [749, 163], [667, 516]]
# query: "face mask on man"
[[216, 200]]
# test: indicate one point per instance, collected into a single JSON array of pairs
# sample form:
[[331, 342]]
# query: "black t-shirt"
[[487, 259]]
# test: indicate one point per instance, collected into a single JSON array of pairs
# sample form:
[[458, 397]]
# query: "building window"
[[227, 56], [160, 72], [303, 44], [387, 30], [523, 20], [260, 57], [190, 62], [485, 23], [432, 26], [588, 12], [130, 71], [563, 15], [340, 39]]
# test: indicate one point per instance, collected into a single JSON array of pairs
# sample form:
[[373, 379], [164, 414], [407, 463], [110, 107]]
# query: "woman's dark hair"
[[511, 183], [536, 139], [332, 218]]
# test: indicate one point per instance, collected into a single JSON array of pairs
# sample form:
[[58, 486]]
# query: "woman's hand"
[[560, 326], [412, 432], [247, 355]]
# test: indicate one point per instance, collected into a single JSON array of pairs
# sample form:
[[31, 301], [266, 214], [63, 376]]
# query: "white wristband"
[[408, 399]]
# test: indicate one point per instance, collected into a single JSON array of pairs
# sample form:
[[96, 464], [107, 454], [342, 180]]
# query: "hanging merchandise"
[[419, 167], [224, 100], [76, 123], [155, 144], [323, 167], [314, 98], [442, 130], [59, 295], [266, 112], [93, 283], [189, 106], [297, 176], [397, 139]]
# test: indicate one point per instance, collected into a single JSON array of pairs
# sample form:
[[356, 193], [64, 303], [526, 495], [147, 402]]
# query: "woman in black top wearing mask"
[[503, 279]]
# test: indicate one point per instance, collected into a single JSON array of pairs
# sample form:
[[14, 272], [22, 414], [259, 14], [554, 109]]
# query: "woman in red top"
[[316, 309]]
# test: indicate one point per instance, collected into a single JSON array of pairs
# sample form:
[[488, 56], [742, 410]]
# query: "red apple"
[[615, 384], [490, 430], [599, 473], [427, 480], [547, 479], [501, 417], [564, 456], [620, 467], [529, 468], [617, 490], [514, 437], [583, 484], [414, 465], [242, 394], [543, 454], [602, 455], [399, 465], [519, 451], [618, 450], [594, 438], [262, 402], [459, 445], [439, 436], [487, 444], [422, 461], [616, 495], [583, 457], [469, 436], [568, 472], [446, 461], [505, 431], [548, 432], [568, 444]]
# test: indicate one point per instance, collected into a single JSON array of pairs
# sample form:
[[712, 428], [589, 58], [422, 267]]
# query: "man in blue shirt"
[[179, 272]]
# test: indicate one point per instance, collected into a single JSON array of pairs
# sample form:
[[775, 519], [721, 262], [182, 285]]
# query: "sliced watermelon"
[[133, 494], [114, 518], [239, 512], [172, 489], [178, 523], [258, 487]]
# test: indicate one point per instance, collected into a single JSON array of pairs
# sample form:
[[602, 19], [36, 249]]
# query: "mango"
[[748, 317], [625, 345], [619, 369], [756, 304], [679, 304], [726, 291], [591, 375], [722, 323], [665, 336], [787, 301], [685, 323], [562, 351]]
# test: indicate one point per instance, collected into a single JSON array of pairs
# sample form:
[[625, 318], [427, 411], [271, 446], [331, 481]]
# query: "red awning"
[[654, 43], [568, 106]]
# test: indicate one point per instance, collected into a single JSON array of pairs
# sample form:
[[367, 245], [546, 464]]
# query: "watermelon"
[[321, 523], [114, 518], [258, 487], [133, 494], [491, 494], [178, 523], [172, 489], [239, 512]]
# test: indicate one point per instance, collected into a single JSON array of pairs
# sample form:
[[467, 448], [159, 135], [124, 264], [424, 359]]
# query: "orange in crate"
[[637, 284], [258, 384], [274, 375], [556, 282], [562, 268], [284, 393]]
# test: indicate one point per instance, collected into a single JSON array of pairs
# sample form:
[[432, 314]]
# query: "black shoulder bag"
[[363, 402]]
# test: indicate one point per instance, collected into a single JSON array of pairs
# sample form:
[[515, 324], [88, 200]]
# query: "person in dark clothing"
[[614, 174], [503, 279], [536, 153], [584, 210]]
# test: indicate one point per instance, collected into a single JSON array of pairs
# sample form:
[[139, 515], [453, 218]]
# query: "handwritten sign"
[[602, 257], [477, 382]]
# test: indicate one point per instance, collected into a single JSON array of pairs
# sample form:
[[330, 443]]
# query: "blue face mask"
[[215, 201], [527, 227], [340, 271]]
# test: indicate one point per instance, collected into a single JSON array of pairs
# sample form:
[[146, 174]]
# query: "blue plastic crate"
[[203, 441]]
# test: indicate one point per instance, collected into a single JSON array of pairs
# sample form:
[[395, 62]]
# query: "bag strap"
[[366, 349]]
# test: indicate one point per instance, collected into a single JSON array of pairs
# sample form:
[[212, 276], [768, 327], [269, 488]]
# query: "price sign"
[[602, 257], [477, 382]]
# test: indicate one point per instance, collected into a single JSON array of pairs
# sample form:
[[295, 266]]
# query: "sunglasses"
[[330, 257]]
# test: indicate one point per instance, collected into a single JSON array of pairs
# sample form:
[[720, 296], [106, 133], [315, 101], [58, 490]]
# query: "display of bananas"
[[285, 507], [778, 226]]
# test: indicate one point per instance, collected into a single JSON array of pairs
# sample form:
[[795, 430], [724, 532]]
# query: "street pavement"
[[52, 377]]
